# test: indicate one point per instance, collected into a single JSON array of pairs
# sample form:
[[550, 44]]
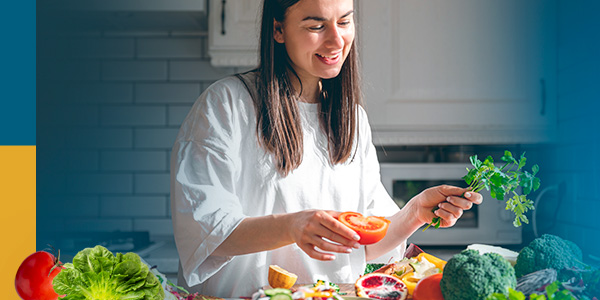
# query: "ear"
[[278, 31]]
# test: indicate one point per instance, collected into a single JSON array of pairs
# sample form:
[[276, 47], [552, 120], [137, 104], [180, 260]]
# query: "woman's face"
[[317, 35]]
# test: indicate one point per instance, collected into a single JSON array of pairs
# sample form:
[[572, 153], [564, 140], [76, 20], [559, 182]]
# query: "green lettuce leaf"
[[99, 275]]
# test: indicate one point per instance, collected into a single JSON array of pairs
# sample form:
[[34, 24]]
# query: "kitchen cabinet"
[[459, 71], [233, 32], [127, 15], [134, 5]]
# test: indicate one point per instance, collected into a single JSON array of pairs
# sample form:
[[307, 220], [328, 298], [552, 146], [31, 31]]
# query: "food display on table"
[[417, 266], [547, 268], [95, 274], [321, 290]]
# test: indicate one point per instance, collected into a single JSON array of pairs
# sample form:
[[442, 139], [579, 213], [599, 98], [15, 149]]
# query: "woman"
[[266, 161]]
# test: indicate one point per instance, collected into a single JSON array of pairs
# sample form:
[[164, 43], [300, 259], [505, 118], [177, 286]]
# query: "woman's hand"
[[318, 233], [450, 200]]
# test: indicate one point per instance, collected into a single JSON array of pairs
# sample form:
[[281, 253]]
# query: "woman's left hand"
[[450, 200]]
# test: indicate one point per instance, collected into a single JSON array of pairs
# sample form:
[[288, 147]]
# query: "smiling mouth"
[[330, 60], [334, 56]]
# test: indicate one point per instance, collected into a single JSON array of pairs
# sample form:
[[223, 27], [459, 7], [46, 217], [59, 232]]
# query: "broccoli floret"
[[548, 252], [469, 275]]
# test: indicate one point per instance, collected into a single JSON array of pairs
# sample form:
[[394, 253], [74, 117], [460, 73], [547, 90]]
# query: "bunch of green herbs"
[[501, 182]]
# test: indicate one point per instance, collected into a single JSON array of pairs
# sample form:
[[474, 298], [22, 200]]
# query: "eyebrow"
[[321, 19]]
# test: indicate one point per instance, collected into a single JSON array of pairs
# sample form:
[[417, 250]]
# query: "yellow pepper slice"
[[409, 278], [410, 281], [439, 263], [318, 294]]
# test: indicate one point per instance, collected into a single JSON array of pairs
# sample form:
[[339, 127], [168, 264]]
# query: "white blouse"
[[220, 175]]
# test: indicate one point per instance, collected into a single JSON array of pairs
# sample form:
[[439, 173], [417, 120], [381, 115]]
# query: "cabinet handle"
[[223, 17], [543, 91]]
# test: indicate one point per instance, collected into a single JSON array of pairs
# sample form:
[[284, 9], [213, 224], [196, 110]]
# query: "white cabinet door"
[[233, 32], [459, 71]]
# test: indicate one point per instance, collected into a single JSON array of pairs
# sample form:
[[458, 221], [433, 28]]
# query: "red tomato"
[[34, 279], [428, 288], [370, 229]]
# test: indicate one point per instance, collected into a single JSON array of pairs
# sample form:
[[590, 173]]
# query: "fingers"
[[339, 232], [322, 234], [447, 218], [459, 202], [310, 243], [450, 190], [448, 211], [453, 206], [474, 197], [466, 193]]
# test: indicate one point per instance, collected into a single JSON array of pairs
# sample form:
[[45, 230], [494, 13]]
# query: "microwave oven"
[[487, 223]]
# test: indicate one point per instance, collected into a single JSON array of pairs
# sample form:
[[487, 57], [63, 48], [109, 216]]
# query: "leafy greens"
[[97, 274], [502, 181], [554, 291]]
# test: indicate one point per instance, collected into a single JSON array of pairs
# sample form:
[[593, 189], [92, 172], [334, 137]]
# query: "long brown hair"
[[278, 118]]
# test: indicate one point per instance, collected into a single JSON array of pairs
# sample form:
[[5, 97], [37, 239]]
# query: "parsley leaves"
[[501, 182]]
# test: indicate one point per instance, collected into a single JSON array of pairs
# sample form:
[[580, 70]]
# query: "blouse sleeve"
[[379, 201], [204, 168]]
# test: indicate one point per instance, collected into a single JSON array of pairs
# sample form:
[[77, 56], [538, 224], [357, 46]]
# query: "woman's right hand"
[[318, 233]]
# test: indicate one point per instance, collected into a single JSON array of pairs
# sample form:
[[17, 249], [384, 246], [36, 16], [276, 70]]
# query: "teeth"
[[328, 56]]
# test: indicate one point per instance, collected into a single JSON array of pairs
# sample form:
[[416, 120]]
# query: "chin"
[[330, 73]]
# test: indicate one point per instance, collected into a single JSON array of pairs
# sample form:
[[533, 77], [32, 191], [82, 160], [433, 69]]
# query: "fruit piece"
[[281, 297], [380, 286], [280, 278], [275, 291], [429, 288], [34, 276], [370, 229]]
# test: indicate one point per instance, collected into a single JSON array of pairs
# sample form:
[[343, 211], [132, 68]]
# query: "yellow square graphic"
[[17, 195]]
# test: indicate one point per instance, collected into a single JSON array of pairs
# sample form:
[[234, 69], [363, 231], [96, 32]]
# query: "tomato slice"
[[428, 288], [370, 229]]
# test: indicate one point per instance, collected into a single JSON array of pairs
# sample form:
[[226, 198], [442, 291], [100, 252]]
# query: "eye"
[[316, 28], [344, 23]]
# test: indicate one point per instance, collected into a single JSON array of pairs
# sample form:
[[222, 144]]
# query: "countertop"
[[162, 253]]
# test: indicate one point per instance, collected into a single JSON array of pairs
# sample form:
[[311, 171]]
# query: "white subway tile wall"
[[107, 123]]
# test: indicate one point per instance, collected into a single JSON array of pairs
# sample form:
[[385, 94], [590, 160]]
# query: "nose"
[[335, 37]]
